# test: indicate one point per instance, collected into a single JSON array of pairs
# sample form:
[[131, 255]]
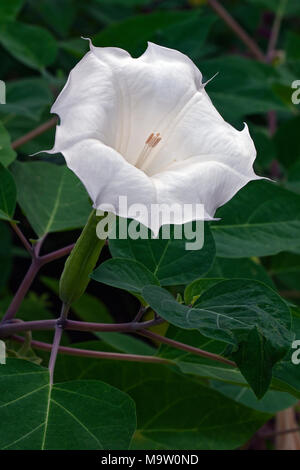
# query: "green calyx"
[[81, 262]]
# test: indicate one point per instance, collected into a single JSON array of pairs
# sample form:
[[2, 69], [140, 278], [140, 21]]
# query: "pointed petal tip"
[[210, 79], [89, 40]]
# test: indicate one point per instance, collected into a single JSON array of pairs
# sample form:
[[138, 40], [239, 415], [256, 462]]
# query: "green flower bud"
[[81, 262]]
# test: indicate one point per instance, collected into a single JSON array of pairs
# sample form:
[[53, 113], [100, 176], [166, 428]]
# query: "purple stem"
[[54, 351], [7, 329], [22, 237], [185, 347], [239, 31], [22, 291], [95, 354], [36, 263], [57, 254], [56, 341]]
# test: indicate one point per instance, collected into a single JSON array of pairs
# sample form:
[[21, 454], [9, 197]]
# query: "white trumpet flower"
[[146, 129]]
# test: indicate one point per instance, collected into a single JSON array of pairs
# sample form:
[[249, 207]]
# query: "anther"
[[150, 143]]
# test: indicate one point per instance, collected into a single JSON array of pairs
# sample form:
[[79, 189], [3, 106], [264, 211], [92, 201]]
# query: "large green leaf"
[[168, 259], [7, 154], [174, 411], [229, 311], [125, 274], [8, 194], [77, 415], [51, 196], [32, 45], [262, 219]]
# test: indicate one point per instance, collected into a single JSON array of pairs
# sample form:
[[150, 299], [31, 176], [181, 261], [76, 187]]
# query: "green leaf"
[[228, 312], [262, 219], [8, 194], [196, 365], [174, 411], [26, 98], [51, 196], [125, 274], [133, 33], [168, 259], [186, 415], [32, 45], [250, 92], [237, 268], [256, 350], [77, 415], [7, 154], [286, 268], [272, 402], [196, 288], [9, 9], [188, 36], [58, 14]]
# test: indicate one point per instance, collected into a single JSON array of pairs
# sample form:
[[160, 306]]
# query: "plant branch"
[[36, 263], [140, 313], [56, 254], [275, 31], [118, 327], [185, 347], [9, 328], [95, 354], [22, 237], [56, 341], [239, 31], [34, 133], [22, 291]]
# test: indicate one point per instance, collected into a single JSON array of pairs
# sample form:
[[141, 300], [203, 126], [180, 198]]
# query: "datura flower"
[[146, 129]]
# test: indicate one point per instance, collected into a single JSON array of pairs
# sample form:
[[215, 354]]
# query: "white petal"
[[210, 183], [106, 176], [120, 100]]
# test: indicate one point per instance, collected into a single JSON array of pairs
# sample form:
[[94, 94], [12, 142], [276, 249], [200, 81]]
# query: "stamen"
[[149, 138], [150, 143]]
